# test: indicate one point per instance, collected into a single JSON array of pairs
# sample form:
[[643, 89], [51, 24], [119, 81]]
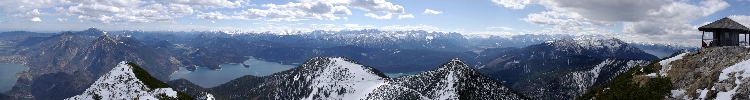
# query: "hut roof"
[[724, 24]]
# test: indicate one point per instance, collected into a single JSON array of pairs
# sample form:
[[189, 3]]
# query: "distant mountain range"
[[564, 68]]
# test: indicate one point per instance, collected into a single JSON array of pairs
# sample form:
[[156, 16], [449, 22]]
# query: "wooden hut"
[[726, 32]]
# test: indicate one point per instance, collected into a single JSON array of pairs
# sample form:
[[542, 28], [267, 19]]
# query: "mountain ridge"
[[129, 81], [347, 79], [547, 70]]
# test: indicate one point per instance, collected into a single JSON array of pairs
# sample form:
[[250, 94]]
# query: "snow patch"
[[704, 92], [428, 38], [738, 72], [209, 96], [677, 93], [449, 92], [665, 64]]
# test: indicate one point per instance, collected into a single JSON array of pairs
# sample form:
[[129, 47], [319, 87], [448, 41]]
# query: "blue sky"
[[661, 21]]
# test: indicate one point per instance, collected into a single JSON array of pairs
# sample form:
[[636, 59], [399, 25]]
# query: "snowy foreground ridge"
[[734, 77], [721, 73], [121, 83]]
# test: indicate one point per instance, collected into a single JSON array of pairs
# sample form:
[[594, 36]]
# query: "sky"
[[657, 21]]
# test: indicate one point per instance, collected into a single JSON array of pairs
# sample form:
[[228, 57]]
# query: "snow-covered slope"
[[712, 73], [577, 83], [348, 80], [452, 80], [121, 83]]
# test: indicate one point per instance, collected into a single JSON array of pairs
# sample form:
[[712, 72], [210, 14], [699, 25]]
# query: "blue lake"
[[8, 75], [207, 78]]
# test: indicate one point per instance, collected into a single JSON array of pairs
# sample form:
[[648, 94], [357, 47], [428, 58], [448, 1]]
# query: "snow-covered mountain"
[[611, 47], [341, 78], [564, 68], [452, 80], [562, 49], [128, 81]]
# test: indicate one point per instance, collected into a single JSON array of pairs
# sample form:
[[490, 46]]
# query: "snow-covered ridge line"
[[341, 78], [354, 79], [121, 83]]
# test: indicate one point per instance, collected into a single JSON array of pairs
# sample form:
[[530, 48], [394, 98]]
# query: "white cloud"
[[176, 10], [341, 10], [114, 13], [35, 19], [272, 14], [23, 5], [314, 10], [410, 27], [550, 18], [285, 12], [742, 19], [137, 11], [512, 4], [62, 19], [212, 16], [611, 11], [126, 11], [676, 28], [431, 12], [32, 15], [502, 28], [366, 5], [640, 18], [143, 16], [204, 4], [405, 16], [94, 10], [386, 16], [357, 26], [682, 14], [376, 6]]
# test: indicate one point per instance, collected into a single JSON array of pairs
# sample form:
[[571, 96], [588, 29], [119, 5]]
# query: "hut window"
[[726, 35]]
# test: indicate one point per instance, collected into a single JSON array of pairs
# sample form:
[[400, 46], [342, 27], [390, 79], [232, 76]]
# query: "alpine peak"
[[122, 82]]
